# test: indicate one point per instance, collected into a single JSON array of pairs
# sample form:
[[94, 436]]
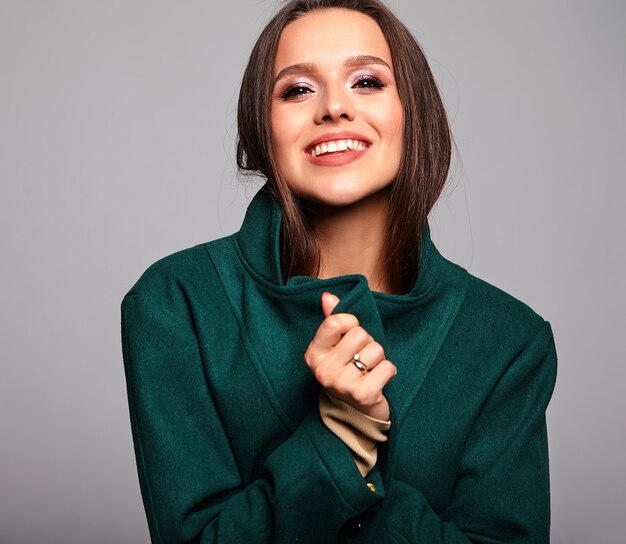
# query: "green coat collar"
[[263, 253], [277, 321]]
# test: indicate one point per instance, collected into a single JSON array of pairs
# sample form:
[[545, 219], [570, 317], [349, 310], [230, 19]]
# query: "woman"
[[418, 413]]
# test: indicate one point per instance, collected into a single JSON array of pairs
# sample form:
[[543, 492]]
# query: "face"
[[336, 116]]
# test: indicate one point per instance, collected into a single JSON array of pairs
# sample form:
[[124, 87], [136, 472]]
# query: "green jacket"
[[229, 443]]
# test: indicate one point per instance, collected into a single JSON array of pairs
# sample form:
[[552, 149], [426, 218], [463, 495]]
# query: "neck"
[[352, 239]]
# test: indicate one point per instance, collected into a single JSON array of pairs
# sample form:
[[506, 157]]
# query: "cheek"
[[394, 131], [390, 122], [284, 125], [279, 134], [398, 129], [396, 121]]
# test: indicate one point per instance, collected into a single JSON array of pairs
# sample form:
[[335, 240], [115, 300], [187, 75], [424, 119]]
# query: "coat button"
[[371, 486], [353, 527]]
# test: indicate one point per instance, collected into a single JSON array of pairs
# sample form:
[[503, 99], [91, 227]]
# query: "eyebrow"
[[309, 67]]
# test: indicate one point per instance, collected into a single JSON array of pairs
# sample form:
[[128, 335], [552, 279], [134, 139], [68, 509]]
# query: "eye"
[[295, 92], [368, 82]]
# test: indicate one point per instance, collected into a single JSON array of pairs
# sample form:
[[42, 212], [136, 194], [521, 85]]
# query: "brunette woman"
[[325, 375]]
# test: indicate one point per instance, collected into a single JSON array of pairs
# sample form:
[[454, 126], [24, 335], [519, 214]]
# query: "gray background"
[[116, 148]]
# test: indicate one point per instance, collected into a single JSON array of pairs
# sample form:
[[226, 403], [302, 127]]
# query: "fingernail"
[[325, 293]]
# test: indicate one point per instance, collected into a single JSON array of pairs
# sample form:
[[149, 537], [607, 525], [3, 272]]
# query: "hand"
[[329, 356]]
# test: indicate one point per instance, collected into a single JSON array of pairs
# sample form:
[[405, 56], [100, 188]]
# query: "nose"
[[335, 104]]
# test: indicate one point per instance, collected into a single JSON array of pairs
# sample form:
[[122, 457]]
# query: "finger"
[[332, 329], [374, 381], [353, 341], [370, 355], [329, 301], [362, 389]]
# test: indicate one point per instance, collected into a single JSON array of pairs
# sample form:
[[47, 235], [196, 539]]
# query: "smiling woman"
[[337, 124], [425, 134], [325, 373]]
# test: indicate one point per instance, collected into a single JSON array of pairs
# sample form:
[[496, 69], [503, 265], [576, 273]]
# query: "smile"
[[336, 146]]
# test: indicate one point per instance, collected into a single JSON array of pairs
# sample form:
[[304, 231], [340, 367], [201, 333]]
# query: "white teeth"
[[338, 145]]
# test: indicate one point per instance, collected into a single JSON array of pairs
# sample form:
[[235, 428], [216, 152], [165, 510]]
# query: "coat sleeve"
[[501, 493], [190, 484]]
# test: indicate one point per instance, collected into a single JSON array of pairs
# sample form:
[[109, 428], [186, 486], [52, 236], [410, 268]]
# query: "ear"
[[329, 301]]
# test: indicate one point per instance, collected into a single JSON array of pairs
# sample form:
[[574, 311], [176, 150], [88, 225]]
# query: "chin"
[[342, 196]]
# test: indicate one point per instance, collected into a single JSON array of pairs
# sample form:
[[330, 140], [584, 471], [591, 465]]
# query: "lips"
[[338, 145], [337, 142]]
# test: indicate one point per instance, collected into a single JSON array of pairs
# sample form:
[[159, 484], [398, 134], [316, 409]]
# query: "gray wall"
[[116, 148]]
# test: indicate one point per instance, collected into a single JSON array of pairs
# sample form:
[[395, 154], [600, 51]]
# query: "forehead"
[[327, 36]]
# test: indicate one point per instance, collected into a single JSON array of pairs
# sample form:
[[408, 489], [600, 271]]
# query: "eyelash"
[[295, 91], [372, 81], [298, 90]]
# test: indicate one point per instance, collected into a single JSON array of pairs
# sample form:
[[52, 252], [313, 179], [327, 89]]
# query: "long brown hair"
[[427, 144]]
